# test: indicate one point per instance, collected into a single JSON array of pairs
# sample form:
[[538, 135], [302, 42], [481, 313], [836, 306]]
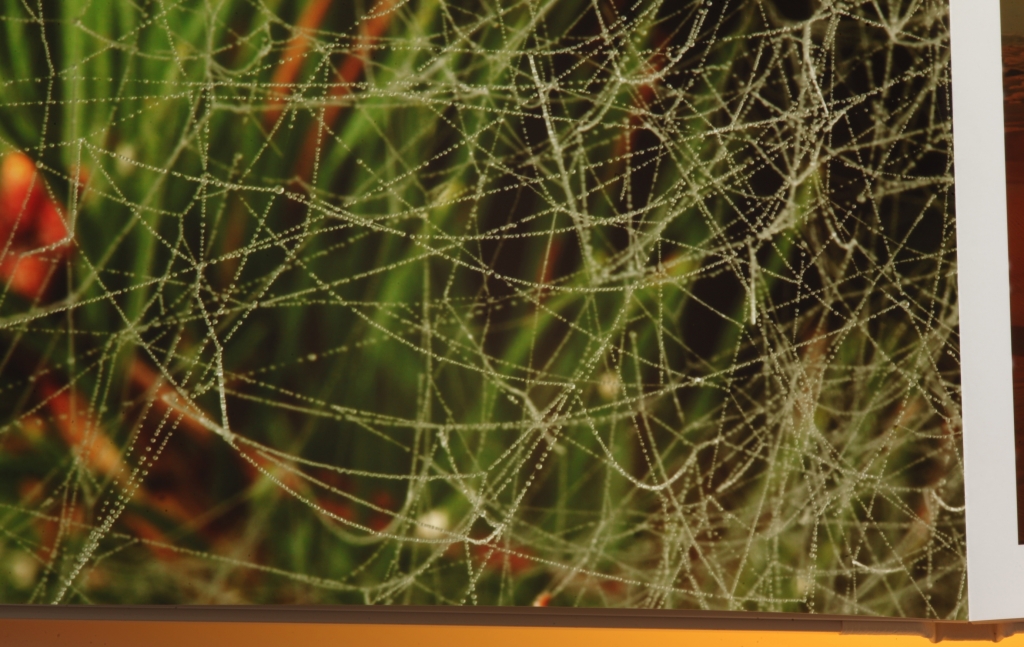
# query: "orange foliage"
[[33, 235], [294, 57], [349, 72], [72, 418], [495, 558]]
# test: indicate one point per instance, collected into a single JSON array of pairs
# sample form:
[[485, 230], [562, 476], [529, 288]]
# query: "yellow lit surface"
[[16, 633]]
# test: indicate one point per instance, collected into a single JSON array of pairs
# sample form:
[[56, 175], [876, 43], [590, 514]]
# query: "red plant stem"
[[349, 72], [293, 59]]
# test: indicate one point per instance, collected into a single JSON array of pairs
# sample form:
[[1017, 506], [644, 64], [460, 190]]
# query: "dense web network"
[[585, 303]]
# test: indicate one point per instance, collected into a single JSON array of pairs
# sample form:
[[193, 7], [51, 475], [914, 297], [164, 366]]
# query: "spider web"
[[578, 303]]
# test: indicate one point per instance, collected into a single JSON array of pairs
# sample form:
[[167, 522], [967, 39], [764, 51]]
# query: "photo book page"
[[986, 41], [557, 303]]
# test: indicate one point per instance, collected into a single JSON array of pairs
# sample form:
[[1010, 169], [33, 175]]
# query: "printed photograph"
[[1012, 20], [584, 303]]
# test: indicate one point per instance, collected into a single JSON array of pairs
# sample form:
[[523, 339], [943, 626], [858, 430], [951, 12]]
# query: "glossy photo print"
[[1013, 115], [556, 303]]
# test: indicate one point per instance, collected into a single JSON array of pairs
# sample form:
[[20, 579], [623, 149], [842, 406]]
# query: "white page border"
[[995, 561]]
